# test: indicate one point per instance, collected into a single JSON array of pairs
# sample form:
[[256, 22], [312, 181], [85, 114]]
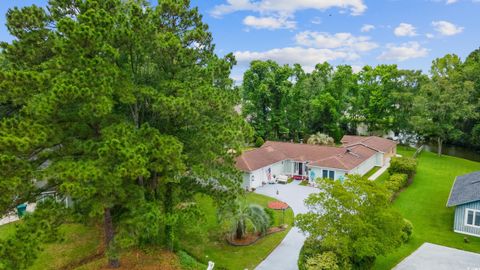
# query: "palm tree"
[[321, 139], [241, 214]]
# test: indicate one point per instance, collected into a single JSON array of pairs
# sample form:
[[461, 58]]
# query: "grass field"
[[372, 171], [215, 248], [78, 242], [7, 229], [424, 204]]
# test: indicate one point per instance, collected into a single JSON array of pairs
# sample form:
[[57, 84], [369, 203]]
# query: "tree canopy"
[[288, 104], [122, 106], [354, 220]]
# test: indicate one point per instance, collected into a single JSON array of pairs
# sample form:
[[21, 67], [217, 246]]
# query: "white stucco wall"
[[366, 166], [379, 159], [288, 167], [256, 177], [318, 171], [260, 175], [276, 168]]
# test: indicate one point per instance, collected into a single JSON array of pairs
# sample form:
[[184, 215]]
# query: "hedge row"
[[396, 182], [403, 165]]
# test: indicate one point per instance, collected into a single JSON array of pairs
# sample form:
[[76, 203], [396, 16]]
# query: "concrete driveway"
[[434, 257], [285, 255]]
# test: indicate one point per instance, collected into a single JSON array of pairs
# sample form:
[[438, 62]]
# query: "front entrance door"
[[300, 168]]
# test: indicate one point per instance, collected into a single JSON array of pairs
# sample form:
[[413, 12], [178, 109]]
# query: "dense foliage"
[[123, 107], [286, 103], [403, 165], [396, 182], [19, 250], [320, 139], [353, 220], [447, 100]]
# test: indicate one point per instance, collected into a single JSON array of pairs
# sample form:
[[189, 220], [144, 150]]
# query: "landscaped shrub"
[[240, 214], [271, 216], [188, 262], [405, 165], [259, 142], [324, 261], [396, 182], [407, 230], [309, 249], [313, 256]]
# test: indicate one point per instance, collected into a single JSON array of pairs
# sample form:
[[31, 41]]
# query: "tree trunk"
[[440, 143], [140, 181], [169, 210], [240, 230], [113, 262]]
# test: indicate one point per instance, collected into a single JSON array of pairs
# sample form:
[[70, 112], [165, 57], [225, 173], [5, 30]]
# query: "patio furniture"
[[282, 179]]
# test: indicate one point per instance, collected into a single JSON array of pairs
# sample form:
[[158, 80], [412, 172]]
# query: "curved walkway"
[[285, 255]]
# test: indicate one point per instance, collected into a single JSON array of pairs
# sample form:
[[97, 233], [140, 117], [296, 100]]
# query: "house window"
[[472, 218], [328, 174]]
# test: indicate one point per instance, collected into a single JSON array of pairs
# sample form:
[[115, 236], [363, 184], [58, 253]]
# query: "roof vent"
[[350, 151]]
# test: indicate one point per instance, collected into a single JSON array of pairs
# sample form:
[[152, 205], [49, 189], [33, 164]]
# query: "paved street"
[[285, 256]]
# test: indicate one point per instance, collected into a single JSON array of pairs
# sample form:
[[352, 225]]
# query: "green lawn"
[[423, 203], [78, 242], [372, 171], [212, 246], [7, 230]]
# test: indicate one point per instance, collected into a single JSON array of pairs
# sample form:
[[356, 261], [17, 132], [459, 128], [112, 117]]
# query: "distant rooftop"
[[374, 142], [466, 189]]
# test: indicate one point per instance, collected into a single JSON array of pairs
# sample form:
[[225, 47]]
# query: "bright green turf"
[[423, 203]]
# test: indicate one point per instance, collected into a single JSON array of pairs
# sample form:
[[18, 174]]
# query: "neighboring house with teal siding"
[[465, 197]]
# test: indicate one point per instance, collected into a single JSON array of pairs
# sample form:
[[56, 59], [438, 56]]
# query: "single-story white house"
[[357, 155]]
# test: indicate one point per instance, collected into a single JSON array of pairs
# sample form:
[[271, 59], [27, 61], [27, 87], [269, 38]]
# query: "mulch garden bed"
[[277, 205], [250, 239]]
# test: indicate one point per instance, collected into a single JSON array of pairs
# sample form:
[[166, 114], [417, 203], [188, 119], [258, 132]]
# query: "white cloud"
[[367, 28], [356, 68], [430, 35], [287, 7], [447, 28], [405, 29], [343, 41], [316, 20], [270, 22], [307, 57], [451, 2], [403, 51]]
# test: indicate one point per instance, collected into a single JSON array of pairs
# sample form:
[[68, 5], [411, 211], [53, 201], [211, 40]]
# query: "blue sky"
[[410, 33]]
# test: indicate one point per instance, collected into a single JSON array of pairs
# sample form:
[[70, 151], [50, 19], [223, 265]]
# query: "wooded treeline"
[[287, 103]]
